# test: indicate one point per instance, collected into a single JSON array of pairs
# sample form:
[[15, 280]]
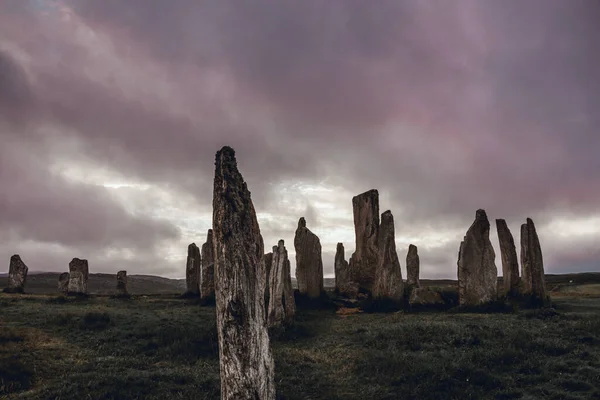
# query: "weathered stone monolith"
[[536, 264], [268, 263], [207, 281], [343, 285], [508, 253], [309, 263], [192, 270], [78, 276], [388, 283], [365, 259], [282, 305], [477, 272], [17, 275], [122, 283], [412, 267], [245, 358], [63, 282], [525, 266]]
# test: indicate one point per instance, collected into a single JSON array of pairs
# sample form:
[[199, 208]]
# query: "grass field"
[[161, 346]]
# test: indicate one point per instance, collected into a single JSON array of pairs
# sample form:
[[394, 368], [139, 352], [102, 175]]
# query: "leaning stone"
[[282, 305], [508, 253], [17, 275], [412, 267], [309, 263], [477, 272], [78, 276], [388, 276], [122, 283], [63, 282], [365, 259], [245, 358], [192, 270], [207, 283]]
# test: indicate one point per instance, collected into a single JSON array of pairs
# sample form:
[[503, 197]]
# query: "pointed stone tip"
[[529, 221], [210, 231], [301, 223], [412, 247], [386, 213], [481, 214], [281, 243], [500, 221], [16, 256]]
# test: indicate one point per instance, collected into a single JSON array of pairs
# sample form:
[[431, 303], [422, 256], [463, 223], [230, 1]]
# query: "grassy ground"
[[159, 347]]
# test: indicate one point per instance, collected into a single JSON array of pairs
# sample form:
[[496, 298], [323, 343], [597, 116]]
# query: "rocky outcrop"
[[17, 275], [477, 272], [525, 266], [309, 263], [78, 276], [282, 305], [536, 284], [343, 285], [122, 283], [207, 281], [412, 267], [192, 270], [388, 275], [63, 282], [508, 253], [424, 297], [245, 358], [365, 259]]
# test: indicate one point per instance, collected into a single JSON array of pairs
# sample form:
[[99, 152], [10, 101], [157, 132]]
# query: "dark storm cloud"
[[444, 107]]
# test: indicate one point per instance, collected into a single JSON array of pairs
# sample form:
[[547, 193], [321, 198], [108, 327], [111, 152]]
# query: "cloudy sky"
[[111, 113]]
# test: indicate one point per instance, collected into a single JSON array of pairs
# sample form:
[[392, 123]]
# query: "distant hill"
[[47, 282]]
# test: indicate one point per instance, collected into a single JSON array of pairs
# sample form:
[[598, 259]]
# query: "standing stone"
[[309, 263], [525, 266], [343, 285], [78, 276], [477, 272], [207, 283], [17, 275], [536, 263], [365, 259], [508, 253], [63, 282], [246, 361], [268, 263], [282, 305], [122, 283], [412, 267], [192, 270], [388, 275]]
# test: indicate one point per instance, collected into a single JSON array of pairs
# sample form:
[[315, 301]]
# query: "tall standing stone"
[[508, 253], [388, 275], [309, 263], [343, 285], [477, 272], [536, 263], [192, 270], [268, 263], [17, 275], [122, 283], [63, 282], [246, 361], [207, 282], [412, 267], [365, 259], [525, 266], [78, 276], [282, 305]]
